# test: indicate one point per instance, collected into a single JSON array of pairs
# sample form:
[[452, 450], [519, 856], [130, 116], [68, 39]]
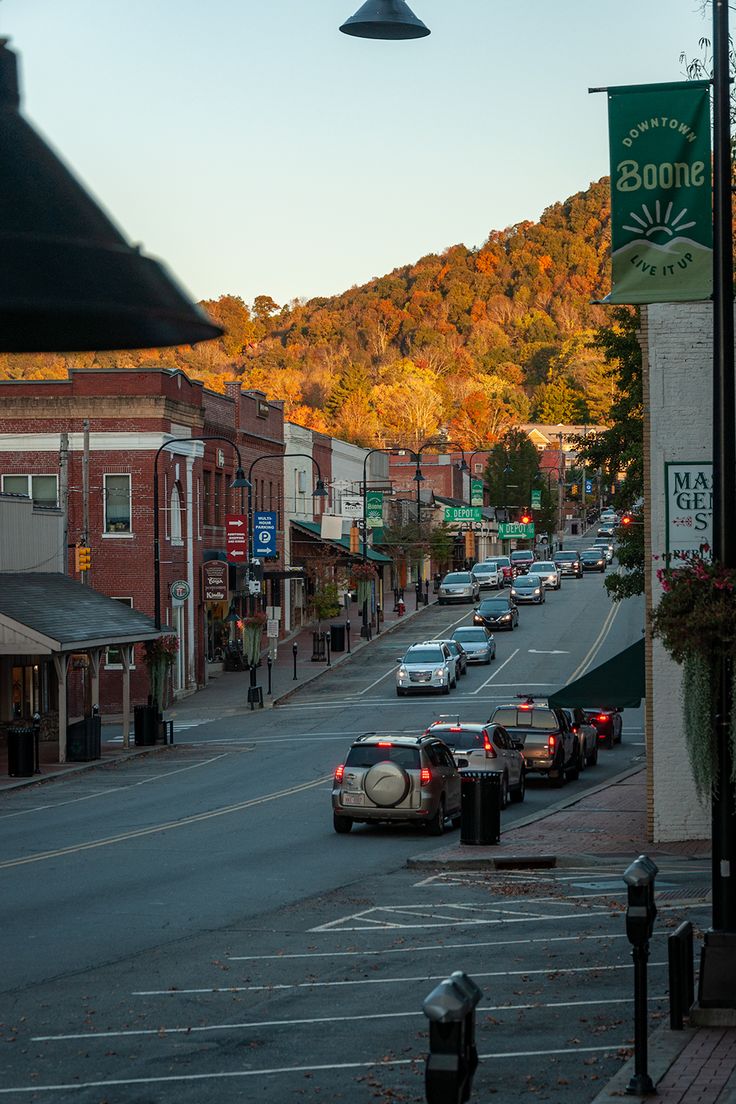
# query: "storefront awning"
[[619, 683], [314, 530]]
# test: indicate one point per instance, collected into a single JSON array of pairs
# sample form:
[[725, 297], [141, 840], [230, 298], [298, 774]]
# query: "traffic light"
[[626, 519], [354, 538], [82, 558], [525, 517], [574, 490], [469, 544]]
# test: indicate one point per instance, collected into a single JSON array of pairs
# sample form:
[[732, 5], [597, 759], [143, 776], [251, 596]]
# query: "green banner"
[[374, 509], [661, 220], [536, 500], [508, 529], [476, 492], [462, 513]]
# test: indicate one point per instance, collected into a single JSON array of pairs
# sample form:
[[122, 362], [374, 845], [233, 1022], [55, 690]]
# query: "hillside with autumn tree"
[[468, 341]]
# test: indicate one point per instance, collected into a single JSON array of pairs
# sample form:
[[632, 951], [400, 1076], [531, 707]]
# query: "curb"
[[79, 768], [665, 1047], [358, 647], [499, 860]]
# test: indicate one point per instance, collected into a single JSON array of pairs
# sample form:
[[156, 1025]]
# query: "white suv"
[[488, 576], [426, 667]]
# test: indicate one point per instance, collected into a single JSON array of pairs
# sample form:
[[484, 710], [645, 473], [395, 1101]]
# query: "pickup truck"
[[551, 749]]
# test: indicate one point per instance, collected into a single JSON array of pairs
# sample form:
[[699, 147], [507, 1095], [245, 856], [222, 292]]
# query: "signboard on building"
[[476, 492], [374, 509], [179, 591], [214, 580], [507, 530], [462, 513], [264, 534], [536, 500], [236, 538], [688, 507], [351, 506]]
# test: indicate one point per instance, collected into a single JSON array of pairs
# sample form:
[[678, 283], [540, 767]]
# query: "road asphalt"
[[607, 823]]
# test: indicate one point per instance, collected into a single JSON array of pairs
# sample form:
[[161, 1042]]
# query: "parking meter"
[[453, 1057], [294, 650], [641, 911]]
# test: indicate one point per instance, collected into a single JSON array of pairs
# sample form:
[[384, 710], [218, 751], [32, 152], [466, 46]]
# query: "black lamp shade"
[[387, 19], [69, 281]]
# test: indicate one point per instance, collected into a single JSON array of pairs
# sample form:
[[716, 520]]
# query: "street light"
[[389, 20], [238, 481], [364, 535]]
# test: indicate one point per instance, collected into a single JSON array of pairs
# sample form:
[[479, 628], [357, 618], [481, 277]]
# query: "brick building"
[[91, 443]]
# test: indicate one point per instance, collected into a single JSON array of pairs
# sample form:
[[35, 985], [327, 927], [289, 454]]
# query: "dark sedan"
[[607, 723], [496, 613], [593, 559]]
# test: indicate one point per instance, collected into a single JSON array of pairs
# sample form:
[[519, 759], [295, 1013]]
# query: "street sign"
[[476, 492], [236, 538], [272, 627], [509, 529], [536, 500], [180, 591], [463, 513], [374, 509], [588, 486], [264, 533], [351, 506]]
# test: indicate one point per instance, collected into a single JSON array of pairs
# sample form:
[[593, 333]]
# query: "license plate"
[[351, 799]]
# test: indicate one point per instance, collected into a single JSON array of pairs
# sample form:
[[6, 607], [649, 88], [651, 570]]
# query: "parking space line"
[[273, 1071], [557, 970], [193, 1029], [496, 672]]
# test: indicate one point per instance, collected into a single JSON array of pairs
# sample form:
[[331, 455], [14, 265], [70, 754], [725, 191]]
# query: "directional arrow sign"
[[235, 537]]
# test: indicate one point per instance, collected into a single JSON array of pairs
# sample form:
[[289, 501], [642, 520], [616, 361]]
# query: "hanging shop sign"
[[374, 509], [214, 580]]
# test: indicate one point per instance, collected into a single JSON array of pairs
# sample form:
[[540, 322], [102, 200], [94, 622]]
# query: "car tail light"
[[456, 728], [385, 743], [488, 747], [340, 772], [425, 776], [524, 707], [552, 743], [601, 717]]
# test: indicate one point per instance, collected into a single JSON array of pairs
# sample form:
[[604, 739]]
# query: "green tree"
[[513, 464]]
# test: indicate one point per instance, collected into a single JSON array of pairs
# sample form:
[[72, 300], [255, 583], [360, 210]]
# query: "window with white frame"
[[113, 657], [117, 503], [176, 526], [43, 489]]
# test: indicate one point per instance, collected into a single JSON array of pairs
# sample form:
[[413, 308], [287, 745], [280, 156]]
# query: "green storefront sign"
[[509, 529], [661, 208], [476, 492], [462, 513], [374, 509]]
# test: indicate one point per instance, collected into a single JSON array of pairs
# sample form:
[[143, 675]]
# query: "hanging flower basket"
[[696, 621], [255, 621], [253, 627], [363, 572], [160, 655]]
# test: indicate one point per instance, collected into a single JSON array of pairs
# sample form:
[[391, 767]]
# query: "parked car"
[[498, 612], [504, 563], [425, 667], [528, 588], [521, 560], [607, 723], [593, 559], [586, 734], [393, 779], [551, 748], [479, 644], [485, 747], [548, 572], [458, 586], [488, 575], [569, 563], [458, 654]]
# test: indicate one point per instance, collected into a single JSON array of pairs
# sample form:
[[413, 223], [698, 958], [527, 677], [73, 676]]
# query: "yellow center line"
[[165, 827]]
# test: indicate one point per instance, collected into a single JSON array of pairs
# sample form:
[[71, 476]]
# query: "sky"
[[259, 151]]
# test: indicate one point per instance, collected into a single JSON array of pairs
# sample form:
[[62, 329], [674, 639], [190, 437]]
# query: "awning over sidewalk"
[[617, 683], [314, 530]]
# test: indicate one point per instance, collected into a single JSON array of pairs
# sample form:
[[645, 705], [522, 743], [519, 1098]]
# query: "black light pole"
[[364, 534], [718, 961], [238, 481]]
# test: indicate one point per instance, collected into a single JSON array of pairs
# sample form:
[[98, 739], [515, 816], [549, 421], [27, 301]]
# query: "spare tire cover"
[[386, 784]]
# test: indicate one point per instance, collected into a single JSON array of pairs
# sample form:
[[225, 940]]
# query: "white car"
[[548, 572], [425, 667], [488, 575]]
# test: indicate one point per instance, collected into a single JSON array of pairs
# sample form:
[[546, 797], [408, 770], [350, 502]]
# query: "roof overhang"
[[619, 683]]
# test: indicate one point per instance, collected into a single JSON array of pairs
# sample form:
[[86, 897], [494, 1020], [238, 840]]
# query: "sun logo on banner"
[[657, 224]]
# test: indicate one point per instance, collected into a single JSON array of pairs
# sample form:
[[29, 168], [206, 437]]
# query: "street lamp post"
[[238, 481], [364, 534]]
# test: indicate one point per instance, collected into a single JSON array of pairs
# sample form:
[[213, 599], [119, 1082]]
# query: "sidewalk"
[[224, 696]]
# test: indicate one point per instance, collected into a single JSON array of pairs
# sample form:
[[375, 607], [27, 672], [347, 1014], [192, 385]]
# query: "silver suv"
[[394, 779], [426, 667]]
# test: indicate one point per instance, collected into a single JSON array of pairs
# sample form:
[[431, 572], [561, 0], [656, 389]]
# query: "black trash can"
[[318, 647], [21, 751], [337, 638], [480, 812], [83, 740], [145, 724]]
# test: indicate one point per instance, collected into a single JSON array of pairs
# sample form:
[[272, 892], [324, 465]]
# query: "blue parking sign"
[[264, 534], [588, 486]]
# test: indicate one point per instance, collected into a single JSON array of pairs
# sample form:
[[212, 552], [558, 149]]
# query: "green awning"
[[619, 683], [315, 530]]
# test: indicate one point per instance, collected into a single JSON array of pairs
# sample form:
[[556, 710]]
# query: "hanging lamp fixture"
[[391, 20]]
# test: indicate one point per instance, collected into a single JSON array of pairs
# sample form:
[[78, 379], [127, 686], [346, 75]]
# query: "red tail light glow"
[[385, 743], [601, 717], [340, 772], [456, 728], [425, 776], [552, 743], [488, 747]]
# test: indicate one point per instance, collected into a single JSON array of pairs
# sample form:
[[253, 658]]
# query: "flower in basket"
[[696, 621], [255, 621], [253, 626], [160, 655], [363, 572]]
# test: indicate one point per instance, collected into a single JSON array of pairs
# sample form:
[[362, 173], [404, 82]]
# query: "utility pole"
[[85, 491], [64, 498]]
